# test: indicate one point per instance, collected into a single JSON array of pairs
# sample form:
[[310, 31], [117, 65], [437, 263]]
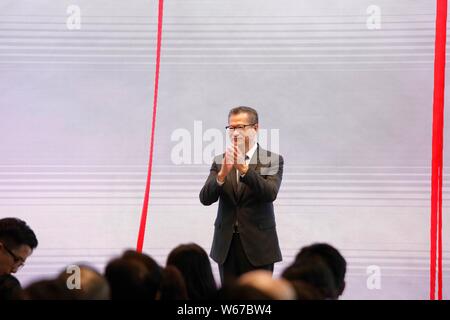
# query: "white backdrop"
[[347, 83]]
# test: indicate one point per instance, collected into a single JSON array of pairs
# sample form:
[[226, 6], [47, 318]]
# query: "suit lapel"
[[254, 161]]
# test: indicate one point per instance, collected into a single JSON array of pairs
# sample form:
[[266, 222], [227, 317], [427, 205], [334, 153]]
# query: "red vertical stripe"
[[437, 140], [439, 230], [140, 240]]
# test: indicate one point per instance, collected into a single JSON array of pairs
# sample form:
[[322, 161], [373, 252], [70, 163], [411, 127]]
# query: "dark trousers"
[[237, 262]]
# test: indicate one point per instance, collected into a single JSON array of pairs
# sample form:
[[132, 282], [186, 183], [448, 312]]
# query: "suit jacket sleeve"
[[211, 190], [266, 188]]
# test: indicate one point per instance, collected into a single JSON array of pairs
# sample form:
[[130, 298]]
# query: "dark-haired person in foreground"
[[245, 180], [193, 263], [173, 286], [17, 242], [315, 273], [331, 256], [133, 276]]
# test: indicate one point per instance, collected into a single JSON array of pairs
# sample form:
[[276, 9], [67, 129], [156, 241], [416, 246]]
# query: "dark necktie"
[[239, 183], [239, 186]]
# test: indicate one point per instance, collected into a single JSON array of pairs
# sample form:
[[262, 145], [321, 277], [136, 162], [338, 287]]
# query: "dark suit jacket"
[[252, 207]]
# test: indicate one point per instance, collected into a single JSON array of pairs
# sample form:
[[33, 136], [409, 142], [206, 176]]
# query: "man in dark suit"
[[245, 180]]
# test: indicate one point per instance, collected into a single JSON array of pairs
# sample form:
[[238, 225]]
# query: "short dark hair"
[[315, 272], [330, 256], [306, 291], [15, 232], [253, 114], [133, 276]]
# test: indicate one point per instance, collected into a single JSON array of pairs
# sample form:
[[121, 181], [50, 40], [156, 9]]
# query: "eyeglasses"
[[239, 127], [17, 260]]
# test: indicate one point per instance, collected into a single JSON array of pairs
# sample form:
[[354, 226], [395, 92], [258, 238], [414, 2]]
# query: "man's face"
[[12, 259], [245, 135]]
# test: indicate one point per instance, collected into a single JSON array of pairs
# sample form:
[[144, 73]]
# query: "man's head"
[[243, 126], [17, 242]]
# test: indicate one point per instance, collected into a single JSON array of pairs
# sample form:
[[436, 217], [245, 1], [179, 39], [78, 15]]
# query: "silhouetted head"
[[193, 263], [172, 285], [314, 272], [306, 291], [331, 257], [133, 276]]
